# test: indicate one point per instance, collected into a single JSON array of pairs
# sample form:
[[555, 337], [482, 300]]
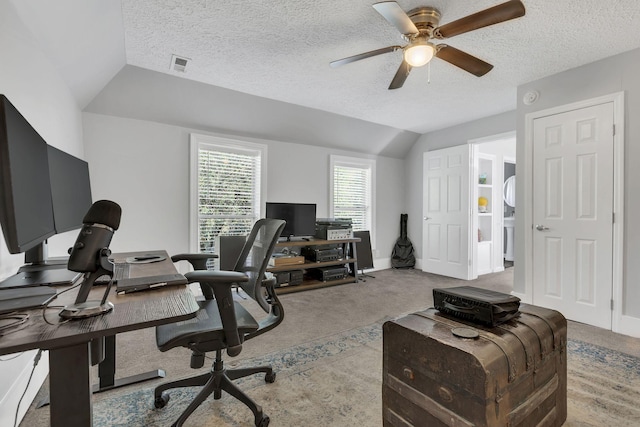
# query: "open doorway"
[[495, 162], [508, 210]]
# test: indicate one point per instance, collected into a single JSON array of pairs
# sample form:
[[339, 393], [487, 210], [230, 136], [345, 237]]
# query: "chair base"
[[217, 380]]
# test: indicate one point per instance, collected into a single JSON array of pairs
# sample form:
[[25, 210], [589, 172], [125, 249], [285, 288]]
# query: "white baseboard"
[[523, 297], [15, 374], [385, 264], [380, 264], [628, 325]]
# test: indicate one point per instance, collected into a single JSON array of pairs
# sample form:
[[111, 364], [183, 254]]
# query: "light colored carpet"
[[328, 358], [337, 382]]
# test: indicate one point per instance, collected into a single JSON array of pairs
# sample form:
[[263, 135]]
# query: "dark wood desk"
[[68, 343]]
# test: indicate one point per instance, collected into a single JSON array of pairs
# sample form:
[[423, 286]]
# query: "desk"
[[68, 343]]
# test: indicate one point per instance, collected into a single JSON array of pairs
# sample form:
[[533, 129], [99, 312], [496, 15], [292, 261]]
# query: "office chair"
[[229, 250], [224, 324]]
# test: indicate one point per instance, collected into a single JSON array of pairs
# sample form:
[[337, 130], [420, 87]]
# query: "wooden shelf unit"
[[350, 259]]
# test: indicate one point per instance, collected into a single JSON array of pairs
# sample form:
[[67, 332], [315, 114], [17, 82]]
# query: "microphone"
[[89, 255], [100, 222]]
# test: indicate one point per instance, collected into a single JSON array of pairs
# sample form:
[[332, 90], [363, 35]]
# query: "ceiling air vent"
[[179, 63]]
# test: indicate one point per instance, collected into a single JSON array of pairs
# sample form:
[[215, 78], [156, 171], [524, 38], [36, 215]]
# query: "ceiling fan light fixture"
[[419, 53]]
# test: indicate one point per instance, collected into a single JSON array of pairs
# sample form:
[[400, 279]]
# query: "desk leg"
[[70, 386], [107, 370]]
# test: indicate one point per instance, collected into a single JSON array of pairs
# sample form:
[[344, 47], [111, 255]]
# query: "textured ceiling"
[[282, 49]]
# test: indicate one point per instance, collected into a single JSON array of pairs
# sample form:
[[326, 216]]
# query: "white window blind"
[[229, 188], [352, 191]]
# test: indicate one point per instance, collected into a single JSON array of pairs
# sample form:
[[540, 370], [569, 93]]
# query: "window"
[[352, 191], [227, 188]]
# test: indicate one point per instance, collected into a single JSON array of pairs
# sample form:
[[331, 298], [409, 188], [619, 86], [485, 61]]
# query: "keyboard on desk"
[[24, 298], [136, 284], [121, 270]]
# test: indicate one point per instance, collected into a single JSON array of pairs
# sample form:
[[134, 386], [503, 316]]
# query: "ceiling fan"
[[420, 25]]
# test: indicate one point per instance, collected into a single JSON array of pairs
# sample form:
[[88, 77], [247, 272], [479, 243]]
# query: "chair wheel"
[[161, 401], [270, 377], [264, 422]]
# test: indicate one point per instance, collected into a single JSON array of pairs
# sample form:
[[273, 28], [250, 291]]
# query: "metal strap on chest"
[[546, 322], [488, 336]]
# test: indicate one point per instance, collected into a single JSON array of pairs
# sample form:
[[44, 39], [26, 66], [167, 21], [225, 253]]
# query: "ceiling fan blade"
[[401, 75], [354, 58], [494, 15], [463, 60], [394, 14]]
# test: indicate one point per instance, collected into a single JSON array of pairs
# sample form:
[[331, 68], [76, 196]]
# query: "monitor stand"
[[46, 265], [40, 270], [40, 277]]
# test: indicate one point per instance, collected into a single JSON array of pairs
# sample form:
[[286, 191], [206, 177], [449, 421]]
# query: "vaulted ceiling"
[[281, 50]]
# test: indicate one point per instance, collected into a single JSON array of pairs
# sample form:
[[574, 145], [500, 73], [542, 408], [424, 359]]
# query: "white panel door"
[[445, 232], [573, 213]]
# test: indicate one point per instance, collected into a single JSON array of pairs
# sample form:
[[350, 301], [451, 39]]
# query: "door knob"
[[427, 218], [541, 227]]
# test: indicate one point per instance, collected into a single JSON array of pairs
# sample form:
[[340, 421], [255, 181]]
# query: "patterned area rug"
[[336, 381]]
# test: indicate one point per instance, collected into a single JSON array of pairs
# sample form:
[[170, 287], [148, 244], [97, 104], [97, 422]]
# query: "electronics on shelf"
[[333, 272], [277, 261], [334, 228], [322, 253]]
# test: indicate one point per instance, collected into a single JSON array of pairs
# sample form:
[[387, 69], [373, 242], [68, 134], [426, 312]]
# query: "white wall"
[[34, 86], [144, 166]]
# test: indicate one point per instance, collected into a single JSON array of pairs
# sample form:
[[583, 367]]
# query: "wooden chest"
[[440, 371]]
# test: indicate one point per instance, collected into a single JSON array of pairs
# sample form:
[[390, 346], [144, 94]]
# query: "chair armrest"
[[218, 284], [198, 261], [208, 277]]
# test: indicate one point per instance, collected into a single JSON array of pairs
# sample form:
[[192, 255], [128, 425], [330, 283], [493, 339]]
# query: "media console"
[[348, 259]]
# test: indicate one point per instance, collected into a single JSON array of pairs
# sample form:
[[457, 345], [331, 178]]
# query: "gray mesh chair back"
[[254, 259]]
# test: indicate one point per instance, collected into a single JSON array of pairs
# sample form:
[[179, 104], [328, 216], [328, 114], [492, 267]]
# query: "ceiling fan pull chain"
[[429, 73]]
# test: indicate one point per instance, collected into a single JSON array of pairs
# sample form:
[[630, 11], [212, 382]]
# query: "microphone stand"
[[83, 308]]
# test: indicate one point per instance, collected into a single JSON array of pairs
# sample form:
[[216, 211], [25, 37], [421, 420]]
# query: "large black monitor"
[[300, 218], [70, 189], [28, 184], [26, 212]]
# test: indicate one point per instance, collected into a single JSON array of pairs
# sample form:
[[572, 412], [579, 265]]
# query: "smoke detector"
[[179, 63]]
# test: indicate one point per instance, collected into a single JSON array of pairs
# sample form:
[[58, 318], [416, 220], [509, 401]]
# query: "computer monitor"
[[70, 189], [27, 196], [26, 211], [300, 218]]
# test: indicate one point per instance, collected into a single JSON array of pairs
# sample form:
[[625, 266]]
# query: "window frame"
[[360, 163], [222, 144]]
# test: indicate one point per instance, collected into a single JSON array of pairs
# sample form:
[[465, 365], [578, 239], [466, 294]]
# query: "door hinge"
[[470, 263], [613, 217], [614, 130], [611, 305]]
